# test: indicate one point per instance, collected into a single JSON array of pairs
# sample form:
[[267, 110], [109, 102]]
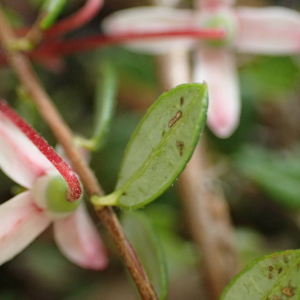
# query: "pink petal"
[[271, 30], [151, 19], [21, 221], [213, 4], [217, 67], [79, 241], [19, 158]]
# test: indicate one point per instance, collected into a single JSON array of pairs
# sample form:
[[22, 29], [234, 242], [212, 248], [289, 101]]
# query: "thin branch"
[[209, 221], [76, 45], [77, 20], [31, 83], [206, 210], [87, 12], [58, 48]]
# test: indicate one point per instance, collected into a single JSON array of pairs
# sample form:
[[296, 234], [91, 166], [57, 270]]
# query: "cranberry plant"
[[90, 85]]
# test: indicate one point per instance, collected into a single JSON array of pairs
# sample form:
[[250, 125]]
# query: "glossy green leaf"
[[160, 147], [145, 242], [104, 108], [277, 176], [273, 277], [50, 11]]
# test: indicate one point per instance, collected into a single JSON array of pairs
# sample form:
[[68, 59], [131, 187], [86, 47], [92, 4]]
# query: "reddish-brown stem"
[[97, 41], [77, 20], [87, 12], [46, 149], [33, 86], [70, 46]]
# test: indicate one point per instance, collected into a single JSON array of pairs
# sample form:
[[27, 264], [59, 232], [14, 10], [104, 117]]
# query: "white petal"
[[271, 30], [217, 67], [21, 221], [79, 241], [19, 158], [152, 19]]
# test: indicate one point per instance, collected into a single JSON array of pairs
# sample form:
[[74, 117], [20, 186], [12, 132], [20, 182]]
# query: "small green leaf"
[[145, 242], [160, 147], [50, 11], [275, 276], [105, 107]]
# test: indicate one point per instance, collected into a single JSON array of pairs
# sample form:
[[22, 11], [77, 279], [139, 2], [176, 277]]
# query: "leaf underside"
[[162, 144], [274, 277]]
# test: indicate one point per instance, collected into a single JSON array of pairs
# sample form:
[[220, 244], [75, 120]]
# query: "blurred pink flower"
[[28, 214], [270, 30]]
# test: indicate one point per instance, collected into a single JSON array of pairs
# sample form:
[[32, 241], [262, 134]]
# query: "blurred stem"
[[35, 34], [31, 83], [206, 211]]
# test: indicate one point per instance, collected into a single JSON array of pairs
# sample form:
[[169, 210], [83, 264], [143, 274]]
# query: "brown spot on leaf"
[[285, 259], [275, 298], [181, 100], [279, 270], [175, 119], [288, 291], [270, 268], [270, 276], [180, 145]]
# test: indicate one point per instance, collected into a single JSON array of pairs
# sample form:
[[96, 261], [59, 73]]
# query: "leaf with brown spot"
[[161, 146], [282, 283]]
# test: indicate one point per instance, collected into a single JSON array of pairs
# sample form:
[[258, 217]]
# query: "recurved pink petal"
[[217, 67], [21, 221], [272, 30], [151, 19], [79, 241], [19, 158]]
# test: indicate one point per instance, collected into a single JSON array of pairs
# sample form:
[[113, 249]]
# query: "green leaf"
[[277, 176], [275, 276], [145, 242], [160, 147], [105, 107], [50, 11]]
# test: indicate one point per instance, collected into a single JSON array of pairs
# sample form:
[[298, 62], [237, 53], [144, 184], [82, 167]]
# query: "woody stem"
[[21, 65]]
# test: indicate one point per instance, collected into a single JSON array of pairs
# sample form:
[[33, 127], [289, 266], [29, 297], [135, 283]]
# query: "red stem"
[[71, 46], [76, 20], [98, 41], [46, 149]]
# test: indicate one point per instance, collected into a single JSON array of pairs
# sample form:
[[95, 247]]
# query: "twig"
[[209, 221], [31, 83], [87, 12], [206, 210]]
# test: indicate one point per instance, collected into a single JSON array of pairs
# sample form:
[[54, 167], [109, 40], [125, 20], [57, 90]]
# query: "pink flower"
[[271, 30], [28, 214]]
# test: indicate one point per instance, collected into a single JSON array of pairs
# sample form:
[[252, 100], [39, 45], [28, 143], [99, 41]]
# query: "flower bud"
[[50, 195]]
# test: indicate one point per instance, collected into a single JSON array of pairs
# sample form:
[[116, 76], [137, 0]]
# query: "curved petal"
[[151, 19], [271, 30], [79, 241], [19, 158], [217, 67], [21, 221], [213, 4]]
